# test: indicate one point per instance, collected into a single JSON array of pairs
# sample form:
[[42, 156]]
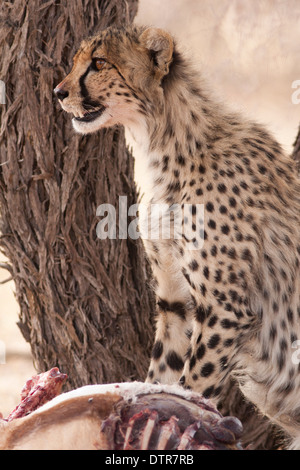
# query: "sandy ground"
[[249, 52], [15, 358]]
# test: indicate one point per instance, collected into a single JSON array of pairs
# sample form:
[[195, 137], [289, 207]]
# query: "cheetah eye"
[[98, 64]]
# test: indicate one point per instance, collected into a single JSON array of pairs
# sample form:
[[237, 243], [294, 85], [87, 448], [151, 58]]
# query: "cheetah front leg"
[[173, 322], [215, 341]]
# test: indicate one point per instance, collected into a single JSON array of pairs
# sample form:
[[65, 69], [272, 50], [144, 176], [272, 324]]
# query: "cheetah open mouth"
[[90, 116]]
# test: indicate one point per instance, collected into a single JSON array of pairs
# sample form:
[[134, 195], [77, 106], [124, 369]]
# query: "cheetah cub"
[[228, 298]]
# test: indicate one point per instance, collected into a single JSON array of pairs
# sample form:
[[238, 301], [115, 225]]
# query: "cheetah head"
[[116, 77]]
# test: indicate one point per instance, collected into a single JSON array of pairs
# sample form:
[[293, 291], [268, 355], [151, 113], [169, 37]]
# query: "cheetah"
[[228, 300]]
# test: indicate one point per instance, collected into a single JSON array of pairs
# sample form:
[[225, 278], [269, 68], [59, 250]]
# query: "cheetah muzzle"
[[90, 116]]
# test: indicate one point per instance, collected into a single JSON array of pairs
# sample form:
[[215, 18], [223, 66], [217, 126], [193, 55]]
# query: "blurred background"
[[249, 52]]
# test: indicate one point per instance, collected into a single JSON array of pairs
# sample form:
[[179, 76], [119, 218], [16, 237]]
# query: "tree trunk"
[[85, 303]]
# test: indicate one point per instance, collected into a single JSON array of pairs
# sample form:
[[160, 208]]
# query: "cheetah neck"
[[173, 137]]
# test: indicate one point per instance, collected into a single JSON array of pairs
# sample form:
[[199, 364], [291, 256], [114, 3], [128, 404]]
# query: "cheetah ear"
[[160, 45]]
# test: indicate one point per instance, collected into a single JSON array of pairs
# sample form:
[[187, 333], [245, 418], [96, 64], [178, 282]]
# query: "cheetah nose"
[[60, 93]]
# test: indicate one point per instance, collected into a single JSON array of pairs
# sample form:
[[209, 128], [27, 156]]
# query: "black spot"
[[232, 278], [281, 360], [225, 229], [212, 224], [270, 155], [166, 159], [228, 307], [243, 185], [273, 332], [236, 189], [199, 338], [213, 341], [174, 361], [210, 207], [193, 265], [239, 169], [239, 314], [203, 289], [275, 307], [202, 169], [232, 202], [231, 253], [294, 337], [208, 392], [206, 272], [246, 255], [222, 188], [203, 234], [212, 321], [174, 187], [218, 391], [223, 362], [157, 350], [283, 344], [175, 307], [227, 324], [290, 315], [250, 201], [192, 362], [262, 169], [220, 296], [180, 160], [188, 354], [207, 369], [233, 295], [223, 209], [200, 352], [189, 333], [201, 314], [214, 250], [193, 209]]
